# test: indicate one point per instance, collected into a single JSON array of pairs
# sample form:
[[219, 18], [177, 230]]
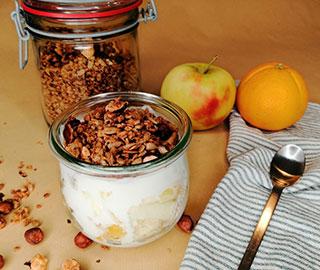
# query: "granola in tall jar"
[[70, 73]]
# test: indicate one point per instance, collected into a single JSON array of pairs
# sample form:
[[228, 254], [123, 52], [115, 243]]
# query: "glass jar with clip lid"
[[82, 47]]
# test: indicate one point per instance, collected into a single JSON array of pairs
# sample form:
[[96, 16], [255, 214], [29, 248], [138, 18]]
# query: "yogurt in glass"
[[125, 206]]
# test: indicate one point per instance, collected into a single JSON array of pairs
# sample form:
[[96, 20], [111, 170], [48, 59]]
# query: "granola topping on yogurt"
[[118, 134]]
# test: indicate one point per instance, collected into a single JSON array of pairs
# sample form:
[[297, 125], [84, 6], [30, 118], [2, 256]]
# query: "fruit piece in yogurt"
[[154, 214], [113, 233]]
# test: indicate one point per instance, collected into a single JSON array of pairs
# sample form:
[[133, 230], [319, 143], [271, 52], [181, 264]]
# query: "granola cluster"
[[70, 264], [40, 262], [70, 73], [117, 134], [18, 213]]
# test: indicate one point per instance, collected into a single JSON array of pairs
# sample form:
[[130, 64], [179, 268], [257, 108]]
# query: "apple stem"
[[210, 63]]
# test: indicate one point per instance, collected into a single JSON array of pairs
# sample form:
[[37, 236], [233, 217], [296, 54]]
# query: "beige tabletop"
[[242, 33]]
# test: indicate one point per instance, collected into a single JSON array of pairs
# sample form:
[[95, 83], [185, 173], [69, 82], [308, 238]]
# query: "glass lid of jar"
[[79, 8]]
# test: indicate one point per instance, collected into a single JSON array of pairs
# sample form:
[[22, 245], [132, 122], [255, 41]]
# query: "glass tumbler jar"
[[132, 205], [82, 47]]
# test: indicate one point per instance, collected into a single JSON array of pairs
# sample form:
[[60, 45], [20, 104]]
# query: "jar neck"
[[79, 8]]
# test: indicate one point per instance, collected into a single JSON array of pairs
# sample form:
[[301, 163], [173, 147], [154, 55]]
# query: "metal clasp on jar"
[[23, 36], [149, 13]]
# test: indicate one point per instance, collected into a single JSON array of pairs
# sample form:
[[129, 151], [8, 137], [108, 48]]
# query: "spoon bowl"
[[286, 167]]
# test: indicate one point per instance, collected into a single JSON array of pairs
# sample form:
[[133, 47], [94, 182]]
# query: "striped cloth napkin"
[[292, 240]]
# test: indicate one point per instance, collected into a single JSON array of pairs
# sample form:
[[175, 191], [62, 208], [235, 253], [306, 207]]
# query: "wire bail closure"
[[23, 36], [149, 13]]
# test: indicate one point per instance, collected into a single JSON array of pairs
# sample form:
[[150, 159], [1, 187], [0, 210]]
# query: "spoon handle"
[[260, 229]]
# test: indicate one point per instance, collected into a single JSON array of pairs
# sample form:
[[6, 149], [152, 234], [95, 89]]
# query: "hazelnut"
[[82, 241], [34, 235], [1, 261], [186, 223], [6, 207]]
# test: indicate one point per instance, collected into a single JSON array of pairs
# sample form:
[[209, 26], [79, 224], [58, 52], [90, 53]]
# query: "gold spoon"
[[286, 168]]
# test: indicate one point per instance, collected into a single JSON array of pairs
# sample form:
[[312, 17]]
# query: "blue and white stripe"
[[292, 240]]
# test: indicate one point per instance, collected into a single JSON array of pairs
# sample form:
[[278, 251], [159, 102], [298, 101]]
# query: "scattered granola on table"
[[70, 74], [39, 262], [70, 264], [16, 248], [105, 247], [24, 192], [21, 215], [22, 167], [46, 195], [23, 173], [3, 222], [117, 134], [12, 209]]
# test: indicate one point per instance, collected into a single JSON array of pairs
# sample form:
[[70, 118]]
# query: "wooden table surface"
[[243, 34]]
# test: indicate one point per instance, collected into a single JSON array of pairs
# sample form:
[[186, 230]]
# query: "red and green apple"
[[205, 91]]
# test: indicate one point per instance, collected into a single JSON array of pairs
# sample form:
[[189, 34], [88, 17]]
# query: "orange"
[[272, 96]]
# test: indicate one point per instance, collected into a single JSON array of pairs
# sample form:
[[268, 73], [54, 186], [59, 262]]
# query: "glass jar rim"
[[80, 10], [70, 161]]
